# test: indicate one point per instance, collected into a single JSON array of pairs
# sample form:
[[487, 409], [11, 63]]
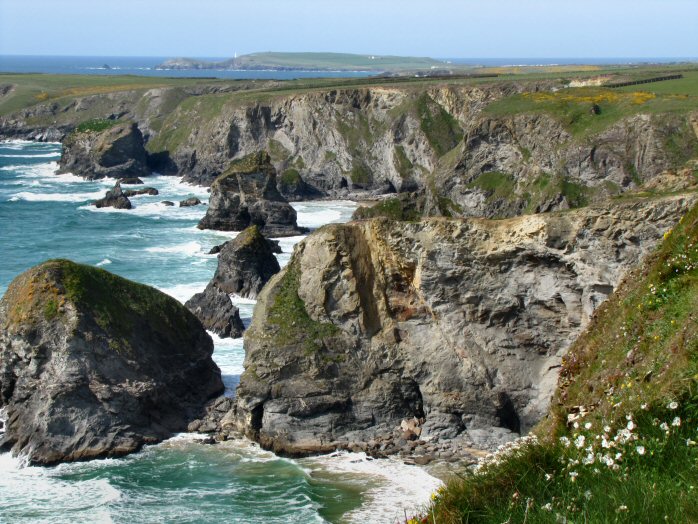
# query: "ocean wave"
[[56, 197], [399, 488], [184, 292], [36, 155], [189, 248], [103, 262]]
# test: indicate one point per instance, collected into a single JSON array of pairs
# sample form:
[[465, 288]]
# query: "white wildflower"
[[673, 405], [579, 441], [640, 450], [676, 422], [631, 425], [573, 476], [587, 425], [565, 441], [664, 426]]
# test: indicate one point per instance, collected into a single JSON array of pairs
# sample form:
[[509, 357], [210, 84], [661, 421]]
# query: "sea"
[[147, 66], [44, 215]]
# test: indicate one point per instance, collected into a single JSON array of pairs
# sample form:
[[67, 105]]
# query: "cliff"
[[459, 324], [93, 365]]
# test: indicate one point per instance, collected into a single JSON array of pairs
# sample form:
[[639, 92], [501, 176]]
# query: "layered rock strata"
[[461, 323]]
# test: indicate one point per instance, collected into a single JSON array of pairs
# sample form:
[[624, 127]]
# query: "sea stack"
[[105, 149], [93, 365], [246, 194]]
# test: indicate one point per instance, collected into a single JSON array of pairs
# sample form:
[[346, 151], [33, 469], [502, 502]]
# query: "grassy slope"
[[619, 444], [572, 107], [338, 61]]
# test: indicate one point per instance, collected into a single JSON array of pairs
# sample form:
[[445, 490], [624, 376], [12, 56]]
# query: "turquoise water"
[[43, 215]]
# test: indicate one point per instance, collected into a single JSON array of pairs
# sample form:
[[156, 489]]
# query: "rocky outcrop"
[[190, 202], [93, 365], [245, 195], [461, 323], [245, 264], [216, 312], [137, 192], [117, 151], [115, 198]]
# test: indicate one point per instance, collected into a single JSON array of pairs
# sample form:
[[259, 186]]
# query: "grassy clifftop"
[[620, 441]]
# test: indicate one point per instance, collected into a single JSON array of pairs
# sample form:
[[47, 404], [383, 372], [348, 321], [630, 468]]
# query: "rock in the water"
[[117, 151], [189, 202], [115, 197], [93, 365], [131, 180], [462, 323], [245, 195], [167, 203], [216, 312], [245, 264], [136, 192]]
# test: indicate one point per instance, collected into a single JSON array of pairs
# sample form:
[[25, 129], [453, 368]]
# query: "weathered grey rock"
[[245, 195], [245, 264], [168, 203], [216, 312], [117, 152], [137, 192], [115, 198], [93, 365], [131, 180], [189, 202], [460, 322]]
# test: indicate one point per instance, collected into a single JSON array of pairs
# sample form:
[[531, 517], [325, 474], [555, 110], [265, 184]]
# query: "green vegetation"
[[277, 151], [50, 309], [317, 62], [497, 185], [392, 208], [620, 441], [96, 125], [401, 162], [441, 129], [290, 177], [290, 318], [360, 174], [573, 107]]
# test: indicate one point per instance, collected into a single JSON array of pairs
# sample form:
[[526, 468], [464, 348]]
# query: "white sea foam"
[[399, 488], [36, 155], [103, 262], [189, 248], [184, 292], [56, 197]]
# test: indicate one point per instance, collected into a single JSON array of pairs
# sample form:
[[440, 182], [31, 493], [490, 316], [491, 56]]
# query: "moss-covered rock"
[[94, 365]]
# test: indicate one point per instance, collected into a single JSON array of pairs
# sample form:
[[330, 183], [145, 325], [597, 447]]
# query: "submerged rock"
[[189, 202], [115, 198], [246, 194], [134, 180], [93, 365], [216, 312], [117, 151], [460, 323]]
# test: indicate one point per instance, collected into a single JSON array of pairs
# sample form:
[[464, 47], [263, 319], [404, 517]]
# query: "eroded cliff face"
[[460, 322], [441, 140]]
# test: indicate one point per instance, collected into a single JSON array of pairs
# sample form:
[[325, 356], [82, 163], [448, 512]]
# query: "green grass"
[[441, 129], [360, 174], [290, 177], [688, 85], [290, 319], [497, 185], [572, 107], [628, 386], [402, 164], [96, 125], [392, 208]]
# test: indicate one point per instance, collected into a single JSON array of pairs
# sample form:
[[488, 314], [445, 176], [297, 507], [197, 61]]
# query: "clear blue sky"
[[436, 28]]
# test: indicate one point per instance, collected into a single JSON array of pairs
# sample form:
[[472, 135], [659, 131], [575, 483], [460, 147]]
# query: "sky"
[[434, 28]]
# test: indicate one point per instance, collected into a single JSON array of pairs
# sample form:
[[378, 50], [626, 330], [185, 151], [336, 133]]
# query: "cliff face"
[[460, 322], [442, 140]]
